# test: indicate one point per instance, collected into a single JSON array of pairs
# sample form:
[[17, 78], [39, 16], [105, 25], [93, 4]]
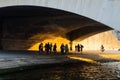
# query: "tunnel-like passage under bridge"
[[38, 20]]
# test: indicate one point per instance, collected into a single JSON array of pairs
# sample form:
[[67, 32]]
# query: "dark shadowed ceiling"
[[30, 22]]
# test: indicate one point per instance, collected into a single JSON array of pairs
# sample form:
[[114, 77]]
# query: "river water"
[[74, 71]]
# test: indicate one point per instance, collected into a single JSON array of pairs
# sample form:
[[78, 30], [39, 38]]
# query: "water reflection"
[[78, 71]]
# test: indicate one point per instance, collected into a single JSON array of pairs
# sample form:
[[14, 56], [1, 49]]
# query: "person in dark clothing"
[[55, 48], [66, 49], [47, 48], [41, 47], [62, 48], [102, 48], [81, 48], [78, 46], [50, 48]]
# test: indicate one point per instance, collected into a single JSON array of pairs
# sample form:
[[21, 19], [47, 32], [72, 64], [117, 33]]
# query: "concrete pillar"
[[71, 43]]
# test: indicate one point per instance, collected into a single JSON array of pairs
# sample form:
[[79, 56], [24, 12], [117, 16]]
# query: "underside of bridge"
[[31, 24]]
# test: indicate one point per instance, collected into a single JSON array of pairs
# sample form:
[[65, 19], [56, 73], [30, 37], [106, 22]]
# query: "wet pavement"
[[18, 59], [11, 59], [76, 71], [90, 66]]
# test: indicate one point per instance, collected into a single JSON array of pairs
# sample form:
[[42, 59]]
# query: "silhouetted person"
[[66, 49], [78, 46], [81, 48], [62, 48], [50, 48], [55, 48], [47, 48], [41, 47], [102, 48]]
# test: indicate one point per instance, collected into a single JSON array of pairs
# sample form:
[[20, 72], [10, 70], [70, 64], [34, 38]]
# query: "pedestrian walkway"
[[14, 59]]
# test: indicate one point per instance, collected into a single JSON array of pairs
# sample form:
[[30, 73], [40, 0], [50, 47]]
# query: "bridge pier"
[[71, 43]]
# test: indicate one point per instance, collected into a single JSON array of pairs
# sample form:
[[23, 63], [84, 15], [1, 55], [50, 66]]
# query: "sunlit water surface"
[[77, 71]]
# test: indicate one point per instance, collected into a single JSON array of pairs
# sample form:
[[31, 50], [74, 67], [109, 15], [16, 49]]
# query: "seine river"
[[74, 71]]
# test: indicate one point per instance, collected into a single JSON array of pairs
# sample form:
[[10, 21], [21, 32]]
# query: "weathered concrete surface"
[[104, 11]]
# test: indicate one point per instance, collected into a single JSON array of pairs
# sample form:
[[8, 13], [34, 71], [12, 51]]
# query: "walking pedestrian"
[[40, 47], [62, 48], [55, 48], [66, 49]]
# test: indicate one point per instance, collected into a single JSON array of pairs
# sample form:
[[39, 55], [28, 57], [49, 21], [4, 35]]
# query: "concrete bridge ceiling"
[[39, 23]]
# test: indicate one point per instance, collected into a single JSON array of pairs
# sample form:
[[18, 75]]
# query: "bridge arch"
[[52, 16], [31, 22], [104, 11], [102, 14]]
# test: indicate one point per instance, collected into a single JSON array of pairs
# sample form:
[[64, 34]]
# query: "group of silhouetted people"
[[48, 48], [79, 48], [64, 49]]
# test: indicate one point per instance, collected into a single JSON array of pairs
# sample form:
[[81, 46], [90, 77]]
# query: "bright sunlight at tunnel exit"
[[91, 43]]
